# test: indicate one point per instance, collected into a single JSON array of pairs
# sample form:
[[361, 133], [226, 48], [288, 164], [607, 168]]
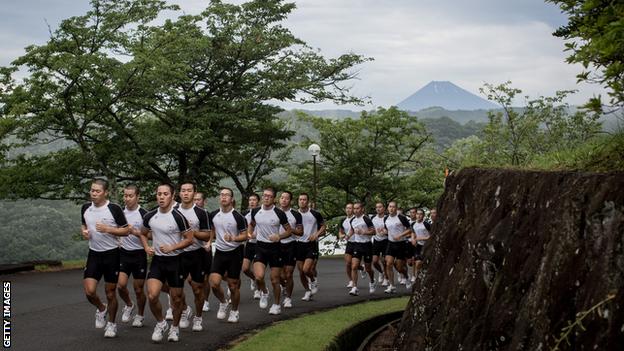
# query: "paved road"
[[50, 312]]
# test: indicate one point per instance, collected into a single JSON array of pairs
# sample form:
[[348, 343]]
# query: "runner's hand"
[[150, 251], [274, 237], [85, 233], [166, 248], [101, 227]]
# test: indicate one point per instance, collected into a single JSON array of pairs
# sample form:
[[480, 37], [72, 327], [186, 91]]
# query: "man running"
[[420, 234], [229, 228], [362, 228], [380, 242], [342, 234], [267, 220], [102, 224], [200, 201], [250, 247], [171, 233], [398, 228], [287, 246], [193, 256], [313, 228], [133, 259]]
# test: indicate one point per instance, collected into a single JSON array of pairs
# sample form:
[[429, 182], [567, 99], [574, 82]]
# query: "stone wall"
[[517, 256]]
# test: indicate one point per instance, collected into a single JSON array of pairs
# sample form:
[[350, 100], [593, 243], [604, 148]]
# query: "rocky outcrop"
[[522, 260]]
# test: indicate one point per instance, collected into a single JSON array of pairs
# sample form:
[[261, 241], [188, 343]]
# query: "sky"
[[412, 42]]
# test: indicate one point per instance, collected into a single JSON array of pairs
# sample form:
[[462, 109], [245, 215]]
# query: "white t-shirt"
[[378, 223], [110, 214], [267, 222], [396, 225], [294, 219], [227, 223], [312, 221], [198, 220], [135, 218], [362, 223], [167, 228]]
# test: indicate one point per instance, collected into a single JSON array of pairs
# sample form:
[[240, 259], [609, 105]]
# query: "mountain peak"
[[447, 95]]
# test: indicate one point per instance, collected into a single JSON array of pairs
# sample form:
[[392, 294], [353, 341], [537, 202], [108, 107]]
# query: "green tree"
[[594, 33], [145, 102], [516, 136], [375, 157]]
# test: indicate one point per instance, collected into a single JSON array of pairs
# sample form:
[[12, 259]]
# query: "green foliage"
[[594, 34], [383, 155], [517, 137], [146, 103], [40, 230]]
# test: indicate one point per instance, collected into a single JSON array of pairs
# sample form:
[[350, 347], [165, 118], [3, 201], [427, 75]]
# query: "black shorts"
[[363, 251], [418, 252], [207, 261], [396, 249], [167, 269], [349, 248], [193, 264], [104, 263], [229, 262], [133, 263], [380, 247], [305, 250], [289, 251], [269, 254], [250, 251], [316, 249]]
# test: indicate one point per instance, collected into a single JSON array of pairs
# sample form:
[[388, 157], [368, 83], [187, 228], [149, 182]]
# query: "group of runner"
[[270, 235], [388, 241], [182, 235]]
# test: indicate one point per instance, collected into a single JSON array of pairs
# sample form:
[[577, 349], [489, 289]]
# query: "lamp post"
[[314, 150]]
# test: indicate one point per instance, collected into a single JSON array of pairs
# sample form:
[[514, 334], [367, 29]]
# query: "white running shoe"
[[137, 322], [350, 285], [252, 285], [307, 296], [233, 318], [390, 289], [380, 279], [264, 300], [197, 324], [408, 285], [185, 319], [222, 310], [413, 279], [206, 307], [169, 314], [228, 295], [100, 317], [174, 334], [257, 294], [126, 313], [287, 302], [371, 287], [159, 331], [385, 282], [354, 291], [402, 281], [314, 287], [275, 309], [111, 330], [363, 273]]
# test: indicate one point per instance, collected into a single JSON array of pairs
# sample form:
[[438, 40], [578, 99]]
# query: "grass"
[[316, 331], [69, 264]]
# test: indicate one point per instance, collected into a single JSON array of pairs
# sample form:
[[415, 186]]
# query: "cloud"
[[412, 42]]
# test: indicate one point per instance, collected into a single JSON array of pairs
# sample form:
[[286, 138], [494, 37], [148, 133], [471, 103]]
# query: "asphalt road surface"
[[50, 312]]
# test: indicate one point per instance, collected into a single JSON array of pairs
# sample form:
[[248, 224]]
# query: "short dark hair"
[[420, 210], [134, 187], [189, 181], [395, 203], [272, 190], [306, 195], [254, 195], [226, 188], [101, 181], [379, 202], [201, 194], [290, 195], [167, 184]]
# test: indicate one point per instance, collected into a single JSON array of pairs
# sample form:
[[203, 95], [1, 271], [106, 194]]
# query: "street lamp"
[[314, 150]]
